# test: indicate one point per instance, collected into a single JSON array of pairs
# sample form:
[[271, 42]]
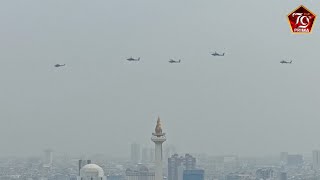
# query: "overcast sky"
[[245, 103]]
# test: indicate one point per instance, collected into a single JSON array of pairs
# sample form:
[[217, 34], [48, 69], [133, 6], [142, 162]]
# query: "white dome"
[[90, 169]]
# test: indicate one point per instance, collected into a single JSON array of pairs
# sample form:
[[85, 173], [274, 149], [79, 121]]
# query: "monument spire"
[[158, 137], [158, 129]]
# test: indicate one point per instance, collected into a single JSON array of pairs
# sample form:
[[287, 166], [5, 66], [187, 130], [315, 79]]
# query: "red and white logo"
[[301, 20]]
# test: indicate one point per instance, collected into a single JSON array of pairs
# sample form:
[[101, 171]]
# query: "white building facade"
[[91, 172]]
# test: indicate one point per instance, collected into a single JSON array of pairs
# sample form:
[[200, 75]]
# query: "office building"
[[316, 159], [195, 174], [81, 164], [283, 157], [48, 157], [147, 155], [183, 163], [135, 153], [295, 160]]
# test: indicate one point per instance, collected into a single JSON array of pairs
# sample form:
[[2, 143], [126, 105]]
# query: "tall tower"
[[135, 153], [316, 159], [47, 157], [158, 138]]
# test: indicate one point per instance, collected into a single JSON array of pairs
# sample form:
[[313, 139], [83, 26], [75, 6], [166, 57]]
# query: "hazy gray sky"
[[245, 103]]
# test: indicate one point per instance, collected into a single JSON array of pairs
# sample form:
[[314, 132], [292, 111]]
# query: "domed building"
[[91, 172]]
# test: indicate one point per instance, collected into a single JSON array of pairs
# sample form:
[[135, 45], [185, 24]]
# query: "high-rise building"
[[230, 163], [195, 174], [189, 162], [169, 151], [147, 155], [283, 157], [48, 157], [158, 137], [82, 163], [175, 163], [295, 160], [316, 159], [180, 172], [152, 154], [135, 153]]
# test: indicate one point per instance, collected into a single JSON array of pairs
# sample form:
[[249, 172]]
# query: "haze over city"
[[244, 103]]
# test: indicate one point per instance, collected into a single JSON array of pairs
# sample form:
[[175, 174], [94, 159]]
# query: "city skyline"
[[244, 103]]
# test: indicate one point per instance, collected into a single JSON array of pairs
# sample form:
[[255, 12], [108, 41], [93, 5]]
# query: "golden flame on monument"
[[158, 129]]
